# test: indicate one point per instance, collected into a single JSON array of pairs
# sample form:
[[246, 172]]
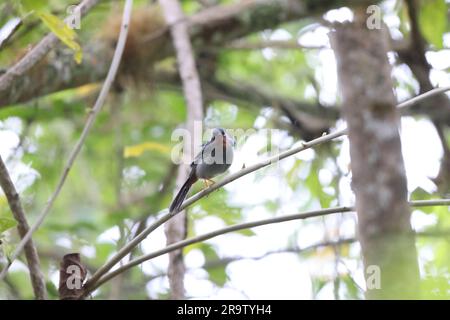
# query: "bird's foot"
[[208, 183]]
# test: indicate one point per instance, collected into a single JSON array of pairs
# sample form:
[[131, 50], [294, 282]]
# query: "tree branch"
[[37, 278], [246, 225], [421, 97], [210, 27], [273, 44], [176, 229], [37, 53], [210, 264], [306, 118], [309, 119], [90, 121]]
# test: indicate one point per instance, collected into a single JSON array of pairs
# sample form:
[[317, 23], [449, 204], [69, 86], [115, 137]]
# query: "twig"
[[422, 97], [133, 243], [326, 243], [211, 264], [38, 52], [90, 121], [246, 225], [273, 44], [37, 278]]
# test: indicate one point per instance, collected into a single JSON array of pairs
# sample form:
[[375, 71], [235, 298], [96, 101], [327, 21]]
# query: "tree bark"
[[378, 173], [176, 228], [147, 45], [31, 254]]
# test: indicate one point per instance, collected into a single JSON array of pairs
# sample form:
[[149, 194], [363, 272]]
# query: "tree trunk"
[[379, 180]]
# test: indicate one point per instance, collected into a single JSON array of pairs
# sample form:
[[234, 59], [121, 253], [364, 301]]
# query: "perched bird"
[[215, 158]]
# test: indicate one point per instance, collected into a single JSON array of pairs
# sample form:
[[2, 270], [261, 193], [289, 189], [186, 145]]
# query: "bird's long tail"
[[181, 195]]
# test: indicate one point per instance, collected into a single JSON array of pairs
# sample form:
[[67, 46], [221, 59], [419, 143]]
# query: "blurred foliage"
[[116, 180]]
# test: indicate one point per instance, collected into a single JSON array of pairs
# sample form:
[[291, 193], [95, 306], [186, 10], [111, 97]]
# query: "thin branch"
[[90, 121], [421, 97], [247, 225], [38, 52], [272, 44], [211, 264], [37, 278]]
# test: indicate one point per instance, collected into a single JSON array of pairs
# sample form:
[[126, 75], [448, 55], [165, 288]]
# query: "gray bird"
[[215, 158]]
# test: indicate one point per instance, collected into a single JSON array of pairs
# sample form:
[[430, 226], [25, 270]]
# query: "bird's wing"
[[199, 157]]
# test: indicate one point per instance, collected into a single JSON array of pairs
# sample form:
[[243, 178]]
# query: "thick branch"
[[37, 278], [36, 54], [309, 119], [306, 118], [89, 123], [214, 26]]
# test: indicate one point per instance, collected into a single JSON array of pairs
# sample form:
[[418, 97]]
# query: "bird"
[[215, 157]]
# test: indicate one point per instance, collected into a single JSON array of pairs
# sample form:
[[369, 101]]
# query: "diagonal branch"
[[210, 264], [247, 225], [273, 44], [37, 279], [37, 53], [89, 123], [308, 119]]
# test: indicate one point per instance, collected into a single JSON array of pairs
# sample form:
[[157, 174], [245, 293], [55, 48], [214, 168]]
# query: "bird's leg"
[[208, 182]]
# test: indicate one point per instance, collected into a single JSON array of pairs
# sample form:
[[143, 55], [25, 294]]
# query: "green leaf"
[[218, 275], [103, 250], [33, 5], [7, 222], [318, 283], [436, 287], [52, 290], [246, 232], [433, 21], [352, 292], [67, 35], [209, 252]]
